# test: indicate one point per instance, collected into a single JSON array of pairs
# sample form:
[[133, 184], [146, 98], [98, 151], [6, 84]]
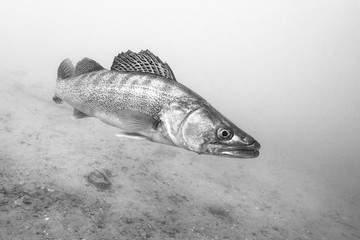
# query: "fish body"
[[141, 97]]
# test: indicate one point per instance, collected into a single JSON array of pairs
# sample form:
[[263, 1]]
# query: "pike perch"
[[141, 96]]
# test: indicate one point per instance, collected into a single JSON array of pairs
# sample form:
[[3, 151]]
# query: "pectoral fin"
[[132, 121]]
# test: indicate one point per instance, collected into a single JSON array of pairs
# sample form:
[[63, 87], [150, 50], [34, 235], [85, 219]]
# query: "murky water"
[[286, 73]]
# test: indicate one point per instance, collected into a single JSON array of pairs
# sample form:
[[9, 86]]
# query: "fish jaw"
[[241, 144], [233, 151]]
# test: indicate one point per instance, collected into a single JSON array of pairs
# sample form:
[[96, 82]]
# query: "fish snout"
[[250, 142], [254, 145]]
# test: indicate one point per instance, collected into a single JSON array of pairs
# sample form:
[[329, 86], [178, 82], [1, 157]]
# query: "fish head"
[[206, 131]]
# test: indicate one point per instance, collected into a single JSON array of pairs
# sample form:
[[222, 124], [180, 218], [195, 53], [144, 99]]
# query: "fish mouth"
[[236, 151]]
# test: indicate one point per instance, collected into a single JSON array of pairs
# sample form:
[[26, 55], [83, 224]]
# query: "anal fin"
[[77, 114]]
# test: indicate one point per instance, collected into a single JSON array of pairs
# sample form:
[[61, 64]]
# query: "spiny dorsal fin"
[[144, 61], [66, 69], [87, 65]]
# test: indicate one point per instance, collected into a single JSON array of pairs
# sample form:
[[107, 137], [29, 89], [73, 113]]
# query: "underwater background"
[[285, 72]]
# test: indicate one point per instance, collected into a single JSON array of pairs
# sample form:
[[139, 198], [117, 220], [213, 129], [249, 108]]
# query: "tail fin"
[[65, 70], [57, 100]]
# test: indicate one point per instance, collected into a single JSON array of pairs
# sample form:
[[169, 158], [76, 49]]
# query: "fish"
[[141, 97]]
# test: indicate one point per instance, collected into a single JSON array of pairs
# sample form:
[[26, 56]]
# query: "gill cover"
[[197, 129]]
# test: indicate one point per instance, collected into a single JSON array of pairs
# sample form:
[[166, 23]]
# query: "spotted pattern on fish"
[[112, 91]]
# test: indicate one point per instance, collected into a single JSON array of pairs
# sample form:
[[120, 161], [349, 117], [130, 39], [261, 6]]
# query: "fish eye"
[[224, 133]]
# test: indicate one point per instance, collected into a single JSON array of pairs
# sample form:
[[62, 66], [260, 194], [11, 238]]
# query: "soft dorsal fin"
[[144, 61], [87, 65], [66, 69]]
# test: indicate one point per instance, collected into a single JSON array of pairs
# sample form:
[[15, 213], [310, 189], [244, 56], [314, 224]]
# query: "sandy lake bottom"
[[73, 179]]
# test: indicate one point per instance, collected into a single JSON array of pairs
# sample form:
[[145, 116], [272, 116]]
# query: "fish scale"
[[96, 88]]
